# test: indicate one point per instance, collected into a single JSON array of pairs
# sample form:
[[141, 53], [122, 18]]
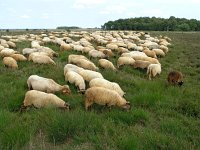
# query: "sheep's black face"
[[180, 83], [67, 106]]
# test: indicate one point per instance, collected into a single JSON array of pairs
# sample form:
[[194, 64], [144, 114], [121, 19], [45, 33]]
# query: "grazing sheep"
[[27, 51], [153, 70], [10, 62], [65, 47], [103, 96], [18, 57], [125, 61], [122, 50], [150, 53], [47, 50], [42, 59], [175, 78], [78, 48], [7, 52], [106, 64], [36, 82], [35, 44], [86, 64], [108, 53], [71, 67], [141, 64], [74, 58], [88, 75], [159, 52], [39, 53], [164, 48], [41, 100], [1, 47], [98, 82], [75, 78], [112, 46], [96, 54], [11, 44]]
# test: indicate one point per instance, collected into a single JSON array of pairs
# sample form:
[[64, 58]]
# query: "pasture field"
[[162, 116]]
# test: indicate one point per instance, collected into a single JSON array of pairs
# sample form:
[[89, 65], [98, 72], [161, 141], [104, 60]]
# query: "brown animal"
[[175, 78]]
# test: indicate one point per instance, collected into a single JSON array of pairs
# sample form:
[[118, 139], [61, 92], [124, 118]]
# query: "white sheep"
[[88, 75], [125, 61], [10, 62], [7, 52], [18, 57], [96, 54], [75, 78], [103, 96], [106, 64], [141, 64], [27, 51], [47, 50], [159, 52], [74, 58], [35, 44], [98, 82], [42, 59], [36, 82], [82, 62], [41, 100], [153, 70], [71, 67], [1, 47], [11, 44], [65, 47]]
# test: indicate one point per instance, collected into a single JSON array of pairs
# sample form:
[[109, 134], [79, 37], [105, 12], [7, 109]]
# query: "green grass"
[[162, 116]]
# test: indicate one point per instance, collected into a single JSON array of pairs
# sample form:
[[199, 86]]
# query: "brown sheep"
[[175, 78]]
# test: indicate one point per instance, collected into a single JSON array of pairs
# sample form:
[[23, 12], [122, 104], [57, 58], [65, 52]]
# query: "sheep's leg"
[[87, 104]]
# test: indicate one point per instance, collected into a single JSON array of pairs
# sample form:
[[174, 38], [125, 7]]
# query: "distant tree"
[[156, 24], [7, 30], [183, 27]]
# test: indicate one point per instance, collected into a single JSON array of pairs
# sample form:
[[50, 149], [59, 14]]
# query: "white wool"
[[71, 67], [106, 64], [96, 54], [40, 99], [36, 82], [7, 52], [42, 59], [98, 82], [75, 78], [125, 61], [88, 75], [27, 51], [103, 96], [10, 62], [153, 70]]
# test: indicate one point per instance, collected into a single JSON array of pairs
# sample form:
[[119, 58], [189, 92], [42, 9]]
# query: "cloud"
[[115, 9], [45, 16], [79, 4], [25, 17]]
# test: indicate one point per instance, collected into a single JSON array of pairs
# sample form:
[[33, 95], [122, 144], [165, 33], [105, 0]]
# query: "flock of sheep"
[[137, 49]]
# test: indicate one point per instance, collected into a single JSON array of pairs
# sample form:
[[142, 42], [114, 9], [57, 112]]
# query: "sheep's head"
[[126, 106], [180, 83], [66, 90], [66, 106]]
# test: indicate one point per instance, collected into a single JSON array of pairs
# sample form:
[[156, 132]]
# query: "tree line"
[[154, 24]]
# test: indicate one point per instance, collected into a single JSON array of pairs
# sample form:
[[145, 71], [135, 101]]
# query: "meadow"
[[162, 116]]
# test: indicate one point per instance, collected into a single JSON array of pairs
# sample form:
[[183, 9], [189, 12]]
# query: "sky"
[[37, 14]]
